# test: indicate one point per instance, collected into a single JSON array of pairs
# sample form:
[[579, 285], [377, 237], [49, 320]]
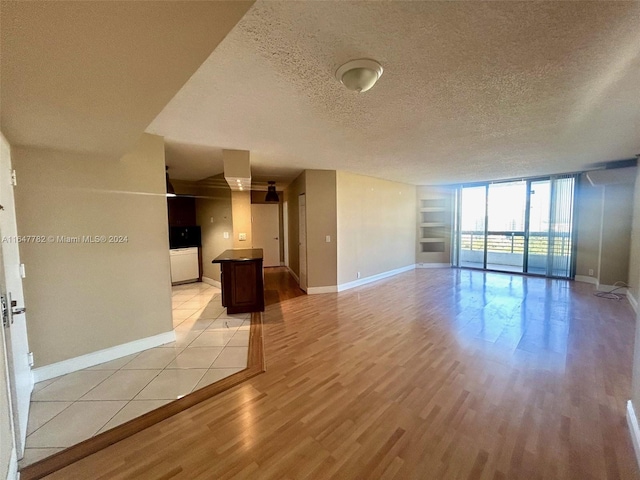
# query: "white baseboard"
[[212, 282], [586, 279], [317, 290], [293, 274], [101, 356], [634, 430], [632, 301], [433, 265], [373, 278], [12, 472]]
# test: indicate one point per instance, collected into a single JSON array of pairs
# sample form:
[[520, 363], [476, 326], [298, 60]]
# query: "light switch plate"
[[225, 234], [327, 239]]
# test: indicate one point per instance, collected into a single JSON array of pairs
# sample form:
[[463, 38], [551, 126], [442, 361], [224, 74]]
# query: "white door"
[[11, 285], [302, 246], [265, 232]]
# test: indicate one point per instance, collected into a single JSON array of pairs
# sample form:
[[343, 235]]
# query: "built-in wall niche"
[[434, 223], [433, 217], [432, 232], [433, 203], [432, 246]]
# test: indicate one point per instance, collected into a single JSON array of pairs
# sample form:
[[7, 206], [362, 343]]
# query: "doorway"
[[265, 231], [15, 326], [523, 226]]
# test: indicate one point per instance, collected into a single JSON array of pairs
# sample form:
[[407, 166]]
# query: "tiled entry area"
[[210, 345]]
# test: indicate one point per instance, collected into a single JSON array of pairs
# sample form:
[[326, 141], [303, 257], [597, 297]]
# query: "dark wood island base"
[[242, 280]]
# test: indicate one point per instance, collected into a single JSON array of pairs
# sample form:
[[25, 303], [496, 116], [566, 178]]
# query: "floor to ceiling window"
[[523, 226]]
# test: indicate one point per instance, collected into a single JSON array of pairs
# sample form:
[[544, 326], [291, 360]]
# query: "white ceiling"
[[471, 90]]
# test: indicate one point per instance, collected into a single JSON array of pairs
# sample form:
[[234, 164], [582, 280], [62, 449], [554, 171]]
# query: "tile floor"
[[210, 345]]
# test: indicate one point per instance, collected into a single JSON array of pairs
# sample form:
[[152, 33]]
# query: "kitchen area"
[[185, 240], [241, 278]]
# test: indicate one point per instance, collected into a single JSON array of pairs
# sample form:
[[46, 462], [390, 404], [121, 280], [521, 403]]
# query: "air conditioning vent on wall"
[[612, 176]]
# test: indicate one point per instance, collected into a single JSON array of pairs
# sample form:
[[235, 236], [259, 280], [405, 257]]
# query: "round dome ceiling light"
[[359, 75]]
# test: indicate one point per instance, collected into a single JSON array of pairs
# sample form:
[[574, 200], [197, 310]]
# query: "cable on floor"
[[611, 295]]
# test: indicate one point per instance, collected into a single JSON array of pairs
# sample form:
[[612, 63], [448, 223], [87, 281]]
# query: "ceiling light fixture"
[[272, 195], [170, 190], [359, 75]]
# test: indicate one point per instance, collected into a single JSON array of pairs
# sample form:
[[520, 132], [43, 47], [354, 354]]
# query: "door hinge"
[[30, 358], [14, 179]]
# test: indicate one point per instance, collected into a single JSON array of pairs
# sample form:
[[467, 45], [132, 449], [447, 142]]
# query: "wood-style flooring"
[[431, 374], [279, 286]]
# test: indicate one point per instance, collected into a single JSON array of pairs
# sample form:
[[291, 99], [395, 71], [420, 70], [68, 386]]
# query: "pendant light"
[[170, 190], [272, 195], [359, 75]]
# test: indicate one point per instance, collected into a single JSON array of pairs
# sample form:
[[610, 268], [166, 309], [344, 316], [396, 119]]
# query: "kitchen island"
[[242, 280]]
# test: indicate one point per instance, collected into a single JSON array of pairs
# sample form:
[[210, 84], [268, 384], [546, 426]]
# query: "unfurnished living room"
[[319, 239]]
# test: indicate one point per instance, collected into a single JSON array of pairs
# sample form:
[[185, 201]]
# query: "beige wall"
[[291, 194], [616, 233], [85, 297], [634, 281], [604, 231], [376, 222], [6, 431], [322, 256], [213, 241], [589, 203], [241, 213], [634, 250]]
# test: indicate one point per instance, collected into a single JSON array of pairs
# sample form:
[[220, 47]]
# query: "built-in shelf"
[[434, 207], [432, 247]]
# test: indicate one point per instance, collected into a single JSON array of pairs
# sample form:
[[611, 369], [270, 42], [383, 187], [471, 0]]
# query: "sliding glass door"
[[561, 244], [538, 239], [506, 211], [472, 230], [522, 226]]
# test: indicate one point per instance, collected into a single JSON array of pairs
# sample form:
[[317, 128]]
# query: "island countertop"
[[239, 255]]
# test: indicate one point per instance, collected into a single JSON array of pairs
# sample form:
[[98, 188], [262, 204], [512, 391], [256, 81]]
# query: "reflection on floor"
[[430, 374], [279, 285], [210, 345], [504, 268]]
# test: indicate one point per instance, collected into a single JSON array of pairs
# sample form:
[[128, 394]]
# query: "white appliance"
[[184, 264]]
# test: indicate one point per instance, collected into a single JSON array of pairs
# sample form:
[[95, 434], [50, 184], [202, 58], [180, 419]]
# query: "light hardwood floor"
[[432, 374]]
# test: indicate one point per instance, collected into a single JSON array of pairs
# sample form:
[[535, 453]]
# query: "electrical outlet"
[[242, 236], [591, 272]]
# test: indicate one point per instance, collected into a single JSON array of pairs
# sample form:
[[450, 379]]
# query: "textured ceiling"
[[471, 90], [89, 76]]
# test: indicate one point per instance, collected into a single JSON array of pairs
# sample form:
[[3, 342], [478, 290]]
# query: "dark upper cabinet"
[[182, 211]]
